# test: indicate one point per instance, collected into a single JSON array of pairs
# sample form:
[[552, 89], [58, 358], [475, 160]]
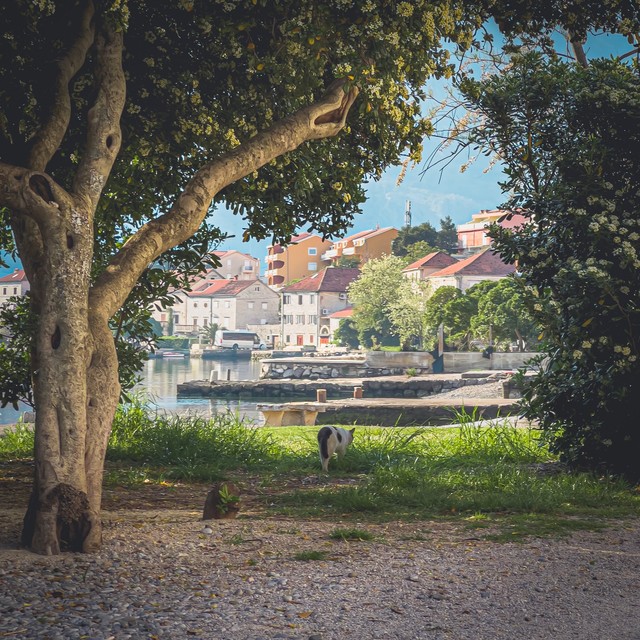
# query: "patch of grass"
[[17, 442], [351, 534], [307, 556], [519, 527]]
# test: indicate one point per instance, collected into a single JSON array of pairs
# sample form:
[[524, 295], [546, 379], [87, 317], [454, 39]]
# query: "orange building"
[[302, 257], [366, 245]]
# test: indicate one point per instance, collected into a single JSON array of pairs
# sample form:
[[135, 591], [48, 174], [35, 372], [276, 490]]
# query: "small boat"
[[170, 354]]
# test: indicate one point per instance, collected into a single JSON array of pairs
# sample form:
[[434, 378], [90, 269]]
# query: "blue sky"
[[433, 196]]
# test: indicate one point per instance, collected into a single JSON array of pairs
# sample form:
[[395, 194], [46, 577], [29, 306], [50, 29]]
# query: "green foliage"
[[475, 469], [18, 325], [570, 143], [348, 262], [351, 534], [209, 332], [173, 342], [503, 315], [434, 312], [17, 442], [195, 447], [372, 295], [346, 335], [306, 556], [407, 314]]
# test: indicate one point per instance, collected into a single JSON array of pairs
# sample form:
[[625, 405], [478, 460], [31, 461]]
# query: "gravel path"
[[160, 576]]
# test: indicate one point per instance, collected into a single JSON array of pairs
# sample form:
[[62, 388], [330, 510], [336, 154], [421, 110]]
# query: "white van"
[[226, 339]]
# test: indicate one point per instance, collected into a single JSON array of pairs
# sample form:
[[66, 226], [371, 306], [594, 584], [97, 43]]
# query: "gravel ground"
[[240, 579]]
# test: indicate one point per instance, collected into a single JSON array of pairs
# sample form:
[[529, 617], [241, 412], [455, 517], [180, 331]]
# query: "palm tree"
[[209, 332]]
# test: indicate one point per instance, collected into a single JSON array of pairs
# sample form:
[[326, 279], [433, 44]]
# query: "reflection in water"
[[160, 378]]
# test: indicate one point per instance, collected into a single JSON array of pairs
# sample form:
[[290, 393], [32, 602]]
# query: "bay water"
[[159, 383]]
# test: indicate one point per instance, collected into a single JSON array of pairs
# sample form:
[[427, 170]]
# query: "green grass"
[[485, 476], [351, 534], [307, 556]]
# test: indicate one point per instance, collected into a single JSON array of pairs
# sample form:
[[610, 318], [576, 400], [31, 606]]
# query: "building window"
[[195, 305], [256, 288], [195, 322], [4, 291], [206, 304], [312, 298], [313, 251], [249, 305], [300, 299], [15, 291], [312, 266], [310, 338], [264, 305], [300, 319], [312, 319], [227, 304], [287, 299]]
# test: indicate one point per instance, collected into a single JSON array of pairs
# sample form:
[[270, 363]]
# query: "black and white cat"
[[333, 440]]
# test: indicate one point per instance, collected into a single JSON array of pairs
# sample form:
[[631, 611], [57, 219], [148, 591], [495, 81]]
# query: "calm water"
[[160, 379]]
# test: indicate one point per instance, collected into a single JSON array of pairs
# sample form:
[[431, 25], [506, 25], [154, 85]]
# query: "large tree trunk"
[[76, 392]]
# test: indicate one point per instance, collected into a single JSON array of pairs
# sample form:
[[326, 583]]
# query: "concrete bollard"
[[213, 376], [357, 392], [321, 395]]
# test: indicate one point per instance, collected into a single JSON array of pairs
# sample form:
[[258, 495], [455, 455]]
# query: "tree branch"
[[322, 119], [49, 137], [31, 194], [104, 134]]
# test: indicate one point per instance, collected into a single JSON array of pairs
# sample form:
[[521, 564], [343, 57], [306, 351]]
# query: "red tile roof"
[[485, 263], [223, 288], [17, 276], [334, 279], [437, 259], [347, 312]]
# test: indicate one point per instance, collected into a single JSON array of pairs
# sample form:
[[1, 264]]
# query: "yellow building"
[[366, 245]]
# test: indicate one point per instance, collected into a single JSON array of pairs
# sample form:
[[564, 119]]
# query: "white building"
[[308, 304]]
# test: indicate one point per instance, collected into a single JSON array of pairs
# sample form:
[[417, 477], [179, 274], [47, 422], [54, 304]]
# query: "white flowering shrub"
[[569, 137]]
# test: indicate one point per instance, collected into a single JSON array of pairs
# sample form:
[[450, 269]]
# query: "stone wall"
[[326, 368], [461, 361]]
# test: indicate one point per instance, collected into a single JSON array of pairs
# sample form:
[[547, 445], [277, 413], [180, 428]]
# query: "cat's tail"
[[323, 444]]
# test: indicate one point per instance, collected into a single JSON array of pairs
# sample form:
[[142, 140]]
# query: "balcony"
[[329, 254], [349, 251]]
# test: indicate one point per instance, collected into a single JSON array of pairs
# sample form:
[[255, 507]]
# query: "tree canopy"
[[570, 144]]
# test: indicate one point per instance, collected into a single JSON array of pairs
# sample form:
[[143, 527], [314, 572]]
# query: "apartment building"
[[235, 264], [472, 236], [308, 304], [299, 259], [365, 245]]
